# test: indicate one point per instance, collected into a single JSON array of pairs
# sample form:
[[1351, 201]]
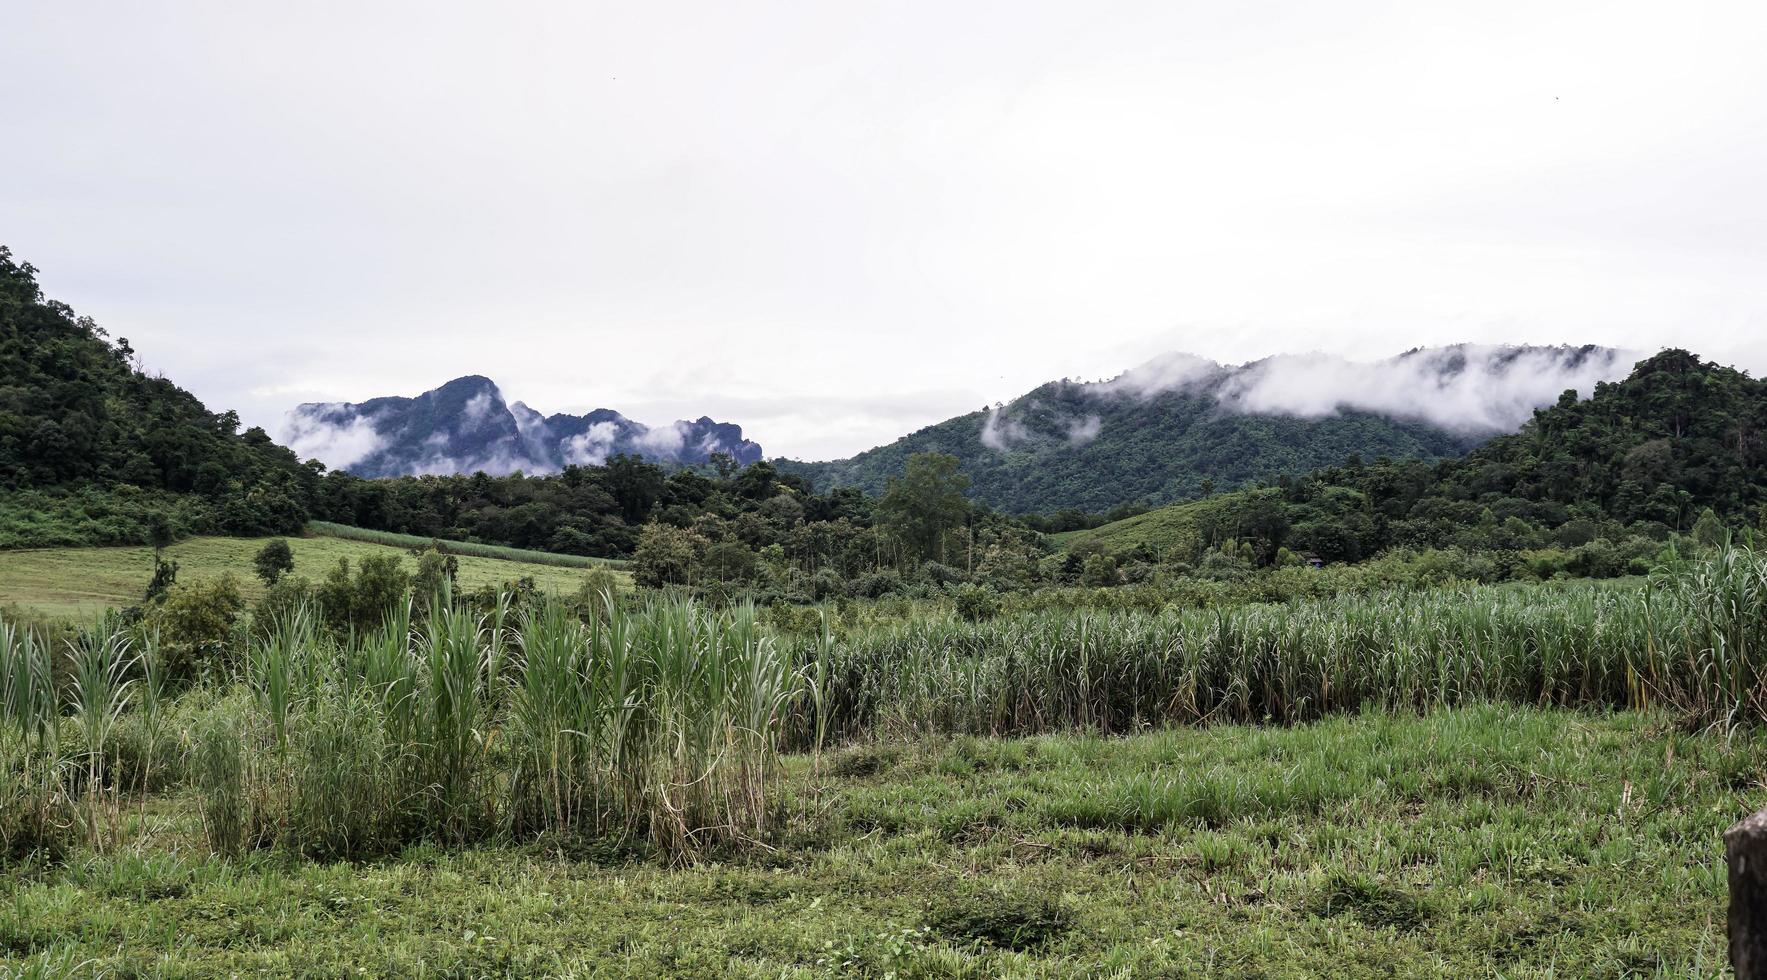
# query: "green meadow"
[[1468, 781], [1486, 841], [82, 582]]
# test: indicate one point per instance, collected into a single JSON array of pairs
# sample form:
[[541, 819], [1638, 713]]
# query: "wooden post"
[[1745, 848]]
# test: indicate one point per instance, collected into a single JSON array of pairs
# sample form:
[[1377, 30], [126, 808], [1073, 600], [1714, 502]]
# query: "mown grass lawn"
[[81, 582], [1481, 842]]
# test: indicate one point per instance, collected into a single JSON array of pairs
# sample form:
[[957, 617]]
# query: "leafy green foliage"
[[1150, 451], [272, 561], [667, 556], [1643, 458], [975, 603], [195, 623], [76, 414], [925, 504], [358, 603]]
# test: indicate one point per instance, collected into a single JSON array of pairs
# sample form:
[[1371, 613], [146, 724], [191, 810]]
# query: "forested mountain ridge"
[[1640, 458], [465, 426], [1179, 426], [78, 416]]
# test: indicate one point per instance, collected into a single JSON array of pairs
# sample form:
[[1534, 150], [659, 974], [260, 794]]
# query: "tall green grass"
[[661, 722], [63, 776], [467, 548], [1691, 641]]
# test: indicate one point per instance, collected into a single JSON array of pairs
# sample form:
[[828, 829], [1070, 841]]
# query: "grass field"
[[80, 582], [1161, 528], [473, 548], [1480, 842]]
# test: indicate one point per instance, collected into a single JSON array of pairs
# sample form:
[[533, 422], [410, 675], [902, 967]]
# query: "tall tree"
[[925, 503]]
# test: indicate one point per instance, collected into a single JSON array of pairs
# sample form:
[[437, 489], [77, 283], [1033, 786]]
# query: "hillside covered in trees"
[[1179, 427], [93, 450], [1678, 441]]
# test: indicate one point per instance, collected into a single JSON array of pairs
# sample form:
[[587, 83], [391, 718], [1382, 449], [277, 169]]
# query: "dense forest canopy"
[[1180, 426], [1148, 451], [1641, 459], [76, 412]]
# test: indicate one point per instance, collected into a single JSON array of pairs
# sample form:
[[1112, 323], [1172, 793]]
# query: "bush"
[[359, 603], [976, 602], [279, 600], [667, 555], [876, 585], [273, 560], [195, 626], [942, 574], [597, 595], [1100, 570], [436, 572]]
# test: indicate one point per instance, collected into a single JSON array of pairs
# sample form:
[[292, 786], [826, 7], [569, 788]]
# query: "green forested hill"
[[1641, 457], [1064, 446], [91, 448]]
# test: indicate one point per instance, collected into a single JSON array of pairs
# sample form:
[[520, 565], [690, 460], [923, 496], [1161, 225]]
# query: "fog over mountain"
[[1465, 389], [1474, 389], [1157, 432], [465, 426]]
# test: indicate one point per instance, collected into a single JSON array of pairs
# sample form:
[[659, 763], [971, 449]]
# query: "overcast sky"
[[834, 223]]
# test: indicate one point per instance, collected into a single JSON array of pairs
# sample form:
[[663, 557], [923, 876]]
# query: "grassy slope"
[[83, 581], [476, 549], [1162, 528], [1471, 843]]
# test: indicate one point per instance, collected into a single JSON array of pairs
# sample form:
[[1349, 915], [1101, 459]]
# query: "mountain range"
[[94, 451], [465, 426], [1179, 425], [1170, 429]]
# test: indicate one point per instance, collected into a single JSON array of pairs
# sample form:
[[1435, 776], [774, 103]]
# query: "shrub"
[[876, 585], [667, 555], [195, 626], [1100, 570], [273, 560], [358, 603], [290, 593], [436, 572], [976, 602], [597, 595]]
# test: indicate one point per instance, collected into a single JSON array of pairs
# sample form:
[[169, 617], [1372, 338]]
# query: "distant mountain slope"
[[1639, 456], [1157, 433], [466, 427]]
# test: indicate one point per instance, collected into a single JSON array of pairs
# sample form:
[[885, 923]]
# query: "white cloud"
[[1470, 389], [592, 446], [999, 432], [474, 412], [1083, 431], [665, 441], [312, 435], [1167, 372]]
